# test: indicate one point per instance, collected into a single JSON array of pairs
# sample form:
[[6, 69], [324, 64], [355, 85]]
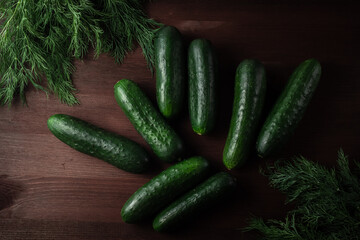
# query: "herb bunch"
[[327, 201], [41, 38]]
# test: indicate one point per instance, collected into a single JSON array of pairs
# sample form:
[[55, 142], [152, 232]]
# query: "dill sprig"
[[39, 39], [327, 201], [134, 25]]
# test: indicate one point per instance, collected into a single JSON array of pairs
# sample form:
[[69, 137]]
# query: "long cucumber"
[[94, 141], [170, 71], [163, 140], [250, 89], [289, 108], [203, 81], [213, 191]]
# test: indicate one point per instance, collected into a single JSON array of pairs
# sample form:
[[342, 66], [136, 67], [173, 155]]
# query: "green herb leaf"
[[41, 38], [327, 201]]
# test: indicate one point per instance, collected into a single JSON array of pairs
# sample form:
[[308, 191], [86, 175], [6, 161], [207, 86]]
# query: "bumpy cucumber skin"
[[163, 140], [170, 71], [89, 139], [289, 108], [250, 89], [212, 191], [203, 97], [164, 188]]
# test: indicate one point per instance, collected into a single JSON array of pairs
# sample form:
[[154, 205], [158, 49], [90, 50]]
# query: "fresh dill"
[[327, 201], [40, 39]]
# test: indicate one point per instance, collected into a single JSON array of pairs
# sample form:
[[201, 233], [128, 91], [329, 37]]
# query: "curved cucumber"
[[203, 71], [289, 108], [89, 139], [250, 88], [170, 71], [212, 191], [163, 140], [164, 188]]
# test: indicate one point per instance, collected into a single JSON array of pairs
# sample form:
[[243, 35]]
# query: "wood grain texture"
[[49, 191]]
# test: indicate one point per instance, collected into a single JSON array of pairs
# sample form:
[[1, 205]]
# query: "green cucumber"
[[94, 141], [170, 71], [163, 140], [164, 188], [289, 108], [250, 88], [214, 190], [203, 71]]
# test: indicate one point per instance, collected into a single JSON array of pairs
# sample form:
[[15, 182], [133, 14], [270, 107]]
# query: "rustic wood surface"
[[50, 191]]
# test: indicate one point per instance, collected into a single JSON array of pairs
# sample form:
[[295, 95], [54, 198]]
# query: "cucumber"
[[203, 71], [89, 139], [214, 190], [163, 140], [250, 88], [289, 108], [164, 188], [170, 71]]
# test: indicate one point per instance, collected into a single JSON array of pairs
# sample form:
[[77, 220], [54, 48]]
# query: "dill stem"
[[10, 19]]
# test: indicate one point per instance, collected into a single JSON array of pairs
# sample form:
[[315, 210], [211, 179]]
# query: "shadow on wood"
[[9, 191]]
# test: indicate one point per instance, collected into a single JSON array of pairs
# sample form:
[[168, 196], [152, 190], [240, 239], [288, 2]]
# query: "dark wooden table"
[[50, 191]]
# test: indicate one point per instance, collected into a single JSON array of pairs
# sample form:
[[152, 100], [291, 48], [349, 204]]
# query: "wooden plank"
[[50, 191]]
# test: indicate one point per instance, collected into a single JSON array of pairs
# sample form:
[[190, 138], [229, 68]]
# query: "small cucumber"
[[250, 88], [170, 71], [163, 140], [212, 191], [89, 139], [289, 108], [164, 188], [203, 71]]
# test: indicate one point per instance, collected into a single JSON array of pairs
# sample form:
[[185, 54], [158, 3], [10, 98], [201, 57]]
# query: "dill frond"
[[327, 201], [124, 23], [42, 38]]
